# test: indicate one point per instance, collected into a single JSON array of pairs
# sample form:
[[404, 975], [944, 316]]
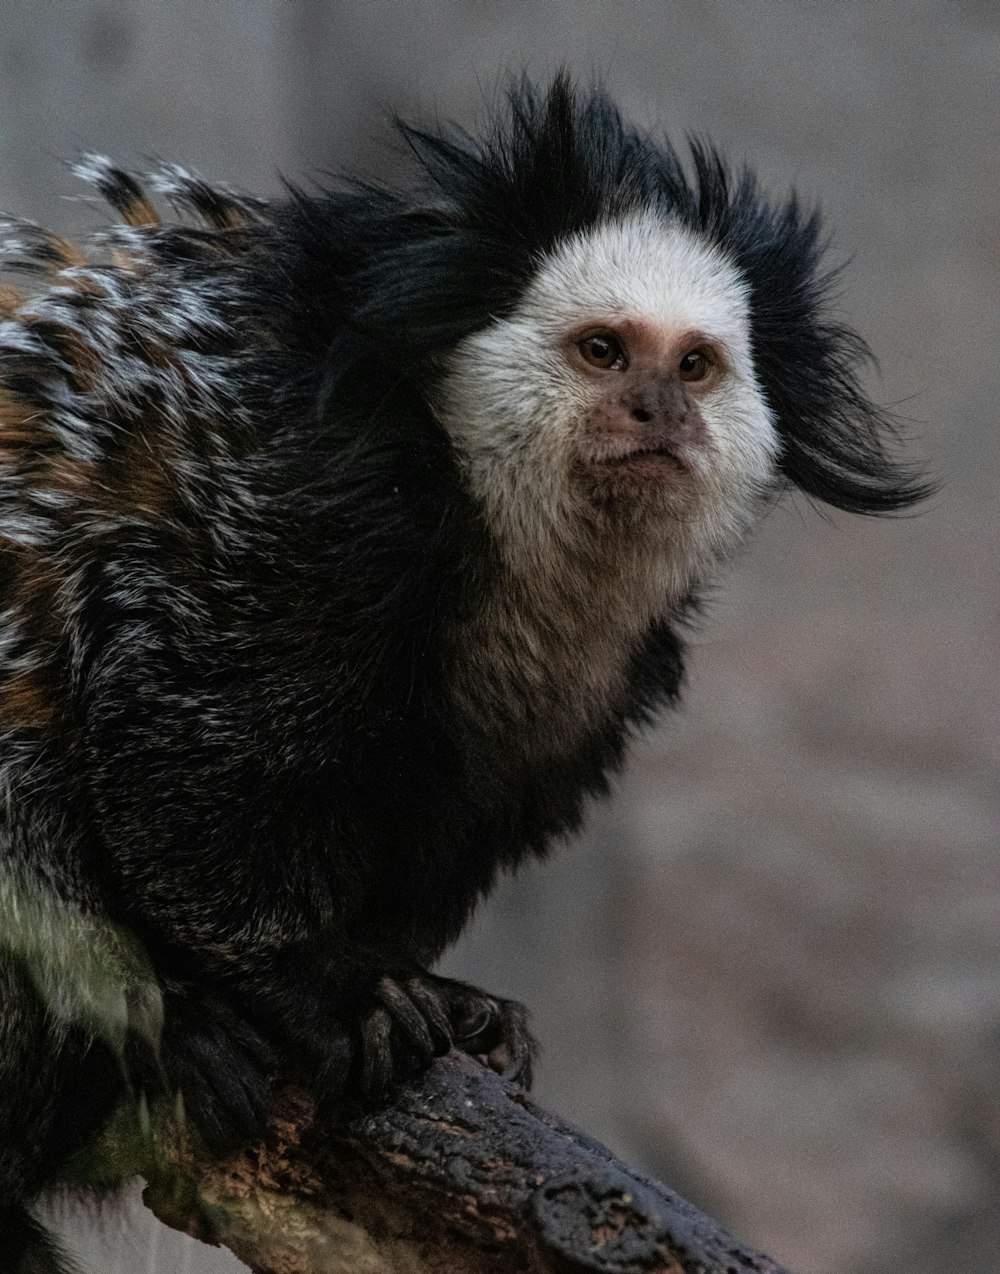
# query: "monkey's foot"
[[219, 1065], [421, 1016]]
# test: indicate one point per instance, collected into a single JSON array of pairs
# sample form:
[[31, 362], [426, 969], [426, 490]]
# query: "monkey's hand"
[[419, 1016]]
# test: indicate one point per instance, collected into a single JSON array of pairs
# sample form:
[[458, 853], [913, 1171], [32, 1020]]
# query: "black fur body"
[[237, 558]]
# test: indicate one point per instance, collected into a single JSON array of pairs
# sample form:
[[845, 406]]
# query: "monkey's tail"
[[26, 1247]]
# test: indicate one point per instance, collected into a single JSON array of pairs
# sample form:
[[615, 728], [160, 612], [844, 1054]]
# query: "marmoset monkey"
[[343, 539]]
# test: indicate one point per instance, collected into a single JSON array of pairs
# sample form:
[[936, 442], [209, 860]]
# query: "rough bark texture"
[[461, 1173]]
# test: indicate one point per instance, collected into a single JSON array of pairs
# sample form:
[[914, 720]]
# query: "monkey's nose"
[[661, 416], [658, 399]]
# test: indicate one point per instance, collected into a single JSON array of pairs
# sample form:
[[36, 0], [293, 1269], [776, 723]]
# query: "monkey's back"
[[214, 587], [117, 409]]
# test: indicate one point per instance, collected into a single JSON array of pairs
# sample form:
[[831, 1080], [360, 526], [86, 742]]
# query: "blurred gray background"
[[769, 971]]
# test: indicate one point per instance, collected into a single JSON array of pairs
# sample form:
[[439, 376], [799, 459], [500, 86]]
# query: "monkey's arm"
[[353, 1019]]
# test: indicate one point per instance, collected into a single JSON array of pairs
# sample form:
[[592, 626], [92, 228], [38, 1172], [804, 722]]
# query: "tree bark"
[[462, 1173]]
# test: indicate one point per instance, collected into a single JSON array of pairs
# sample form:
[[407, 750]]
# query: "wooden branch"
[[462, 1174]]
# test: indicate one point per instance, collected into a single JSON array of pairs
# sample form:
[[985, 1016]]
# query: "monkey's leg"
[[219, 1064], [57, 1086]]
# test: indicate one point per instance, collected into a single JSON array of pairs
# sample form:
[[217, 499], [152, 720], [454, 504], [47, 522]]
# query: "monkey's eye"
[[604, 350], [695, 365]]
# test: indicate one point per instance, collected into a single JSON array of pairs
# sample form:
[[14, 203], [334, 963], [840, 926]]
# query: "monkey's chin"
[[641, 484]]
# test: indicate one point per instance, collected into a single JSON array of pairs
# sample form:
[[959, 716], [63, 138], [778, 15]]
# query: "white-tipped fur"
[[582, 583]]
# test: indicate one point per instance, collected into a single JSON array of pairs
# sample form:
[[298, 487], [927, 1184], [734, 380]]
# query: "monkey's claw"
[[501, 1040], [488, 1027], [419, 1017]]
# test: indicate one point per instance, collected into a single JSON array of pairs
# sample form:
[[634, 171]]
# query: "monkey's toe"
[[504, 1042], [488, 1027], [407, 1027], [421, 1016]]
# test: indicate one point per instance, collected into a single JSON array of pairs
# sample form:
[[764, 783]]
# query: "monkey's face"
[[620, 394]]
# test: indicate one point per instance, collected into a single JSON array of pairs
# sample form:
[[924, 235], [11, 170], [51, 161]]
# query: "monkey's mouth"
[[645, 460]]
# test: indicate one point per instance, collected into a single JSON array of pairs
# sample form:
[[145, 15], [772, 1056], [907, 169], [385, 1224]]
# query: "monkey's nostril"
[[642, 415]]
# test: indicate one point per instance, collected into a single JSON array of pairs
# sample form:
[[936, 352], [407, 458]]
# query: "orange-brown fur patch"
[[20, 423], [138, 479], [11, 299], [143, 478], [69, 254], [30, 700], [73, 477], [139, 211], [79, 358], [33, 698], [229, 217], [35, 589], [85, 281]]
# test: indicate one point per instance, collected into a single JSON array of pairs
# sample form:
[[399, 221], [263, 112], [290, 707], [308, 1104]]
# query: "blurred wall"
[[770, 973]]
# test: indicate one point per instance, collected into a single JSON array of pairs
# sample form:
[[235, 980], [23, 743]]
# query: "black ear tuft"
[[837, 445]]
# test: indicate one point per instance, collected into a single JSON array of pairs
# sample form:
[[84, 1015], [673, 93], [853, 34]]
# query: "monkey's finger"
[[478, 1026], [513, 1057], [518, 1069], [334, 1072], [376, 1055], [434, 1013], [407, 1017]]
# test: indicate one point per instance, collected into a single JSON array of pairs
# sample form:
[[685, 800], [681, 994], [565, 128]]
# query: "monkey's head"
[[619, 396], [623, 340]]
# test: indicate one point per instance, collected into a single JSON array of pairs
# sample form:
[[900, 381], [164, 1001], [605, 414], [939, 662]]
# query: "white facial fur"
[[514, 405], [518, 410]]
